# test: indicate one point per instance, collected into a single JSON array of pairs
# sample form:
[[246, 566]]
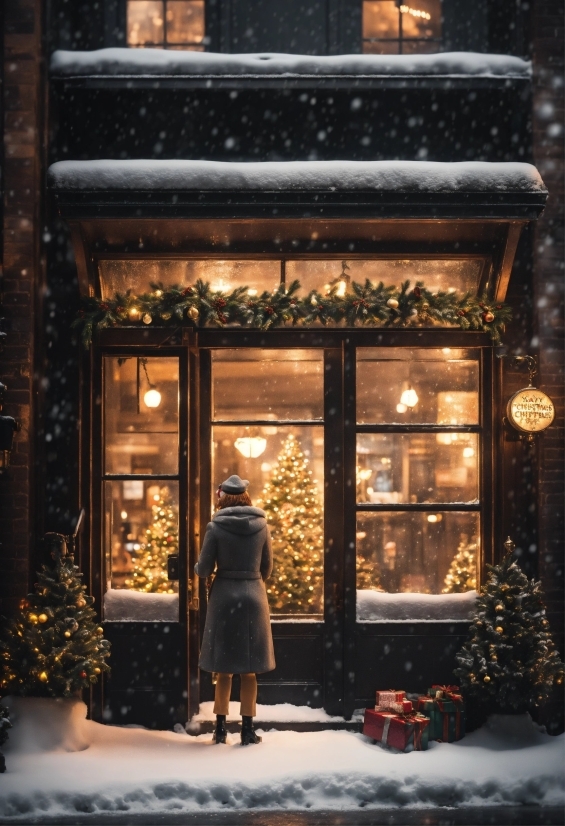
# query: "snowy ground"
[[132, 770]]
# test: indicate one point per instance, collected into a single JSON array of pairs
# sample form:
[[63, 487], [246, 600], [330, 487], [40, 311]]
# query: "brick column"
[[548, 289], [23, 108]]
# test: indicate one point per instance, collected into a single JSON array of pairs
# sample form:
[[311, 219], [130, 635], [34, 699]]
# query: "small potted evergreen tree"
[[509, 663], [53, 647]]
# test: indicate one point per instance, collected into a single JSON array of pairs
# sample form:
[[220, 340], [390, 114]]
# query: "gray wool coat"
[[237, 634]]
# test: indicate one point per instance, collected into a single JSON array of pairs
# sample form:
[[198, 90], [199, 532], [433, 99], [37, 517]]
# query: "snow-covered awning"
[[168, 62], [327, 176], [314, 207]]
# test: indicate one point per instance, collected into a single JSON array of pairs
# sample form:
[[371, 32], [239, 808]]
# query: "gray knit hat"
[[234, 485]]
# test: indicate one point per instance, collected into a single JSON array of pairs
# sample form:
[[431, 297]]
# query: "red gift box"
[[402, 732]]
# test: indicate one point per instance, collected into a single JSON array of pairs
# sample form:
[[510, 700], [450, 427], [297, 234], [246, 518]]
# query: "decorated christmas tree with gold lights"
[[462, 574], [161, 539], [291, 503], [368, 574], [509, 664], [53, 646]]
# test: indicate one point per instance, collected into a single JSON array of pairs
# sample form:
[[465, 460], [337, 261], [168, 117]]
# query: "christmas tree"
[[509, 663], [290, 501], [53, 647], [161, 539], [462, 574], [368, 576]]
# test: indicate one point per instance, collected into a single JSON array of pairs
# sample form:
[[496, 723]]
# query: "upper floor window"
[[392, 27], [166, 24]]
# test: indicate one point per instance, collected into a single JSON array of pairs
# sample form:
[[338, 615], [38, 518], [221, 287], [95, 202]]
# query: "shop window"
[[166, 24], [394, 27], [267, 432], [417, 474], [140, 479], [451, 274]]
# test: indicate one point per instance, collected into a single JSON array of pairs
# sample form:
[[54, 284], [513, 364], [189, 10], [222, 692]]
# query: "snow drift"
[[135, 771], [123, 605]]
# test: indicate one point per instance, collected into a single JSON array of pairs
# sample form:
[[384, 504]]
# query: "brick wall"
[[549, 275], [22, 106]]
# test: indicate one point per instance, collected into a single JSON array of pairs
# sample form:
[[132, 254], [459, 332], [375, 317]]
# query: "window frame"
[[191, 46], [400, 40], [430, 428]]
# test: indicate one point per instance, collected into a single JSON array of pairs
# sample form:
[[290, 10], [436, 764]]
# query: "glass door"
[[268, 417]]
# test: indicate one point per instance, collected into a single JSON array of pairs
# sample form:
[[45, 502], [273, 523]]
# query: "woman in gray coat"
[[237, 634]]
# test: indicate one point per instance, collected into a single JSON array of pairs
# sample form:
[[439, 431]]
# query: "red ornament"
[[187, 291], [417, 292], [461, 313], [83, 675], [488, 317], [269, 310]]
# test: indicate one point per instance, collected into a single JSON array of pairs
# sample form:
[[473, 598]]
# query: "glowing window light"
[[409, 397], [251, 446], [424, 15]]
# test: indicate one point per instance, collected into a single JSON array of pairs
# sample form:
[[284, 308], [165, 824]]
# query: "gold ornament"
[[99, 630], [33, 618], [147, 319], [486, 678], [425, 306], [488, 317], [81, 602], [67, 634], [43, 676], [133, 313], [499, 608], [43, 618], [192, 313], [392, 303], [97, 670], [166, 316], [499, 629]]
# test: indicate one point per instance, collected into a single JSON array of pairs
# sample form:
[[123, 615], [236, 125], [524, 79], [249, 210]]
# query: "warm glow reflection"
[[409, 397], [152, 398], [251, 446]]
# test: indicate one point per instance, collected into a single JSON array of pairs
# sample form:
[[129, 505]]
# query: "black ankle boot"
[[248, 732], [221, 731]]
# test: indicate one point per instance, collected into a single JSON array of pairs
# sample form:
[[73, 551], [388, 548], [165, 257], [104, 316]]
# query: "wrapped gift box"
[[404, 707], [403, 732], [446, 710], [385, 698]]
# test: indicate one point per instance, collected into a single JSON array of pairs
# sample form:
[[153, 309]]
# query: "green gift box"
[[446, 710]]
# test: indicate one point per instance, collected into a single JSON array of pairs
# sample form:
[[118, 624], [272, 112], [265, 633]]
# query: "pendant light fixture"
[[151, 397]]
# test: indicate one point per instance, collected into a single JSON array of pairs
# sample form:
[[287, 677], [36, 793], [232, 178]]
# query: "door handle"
[[193, 599]]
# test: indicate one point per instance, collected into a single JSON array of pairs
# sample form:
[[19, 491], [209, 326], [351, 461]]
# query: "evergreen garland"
[[363, 304], [509, 663], [53, 646]]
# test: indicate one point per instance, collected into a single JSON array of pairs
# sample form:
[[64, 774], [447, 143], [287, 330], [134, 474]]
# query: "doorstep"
[[234, 726]]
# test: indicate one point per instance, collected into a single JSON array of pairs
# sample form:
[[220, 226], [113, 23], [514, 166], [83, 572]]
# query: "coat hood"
[[243, 520]]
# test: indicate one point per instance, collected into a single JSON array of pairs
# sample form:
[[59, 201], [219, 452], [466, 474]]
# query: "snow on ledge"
[[377, 606], [121, 605], [380, 176], [171, 62]]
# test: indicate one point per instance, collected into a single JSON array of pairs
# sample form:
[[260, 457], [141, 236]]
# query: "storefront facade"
[[390, 433]]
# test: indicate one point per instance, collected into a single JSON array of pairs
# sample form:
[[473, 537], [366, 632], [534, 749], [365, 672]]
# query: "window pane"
[[417, 467], [141, 530], [141, 415], [423, 20], [267, 384], [284, 466], [185, 21], [415, 552], [145, 22], [380, 19], [417, 386], [461, 274], [137, 275]]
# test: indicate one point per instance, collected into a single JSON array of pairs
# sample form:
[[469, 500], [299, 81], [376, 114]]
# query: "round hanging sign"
[[530, 410]]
